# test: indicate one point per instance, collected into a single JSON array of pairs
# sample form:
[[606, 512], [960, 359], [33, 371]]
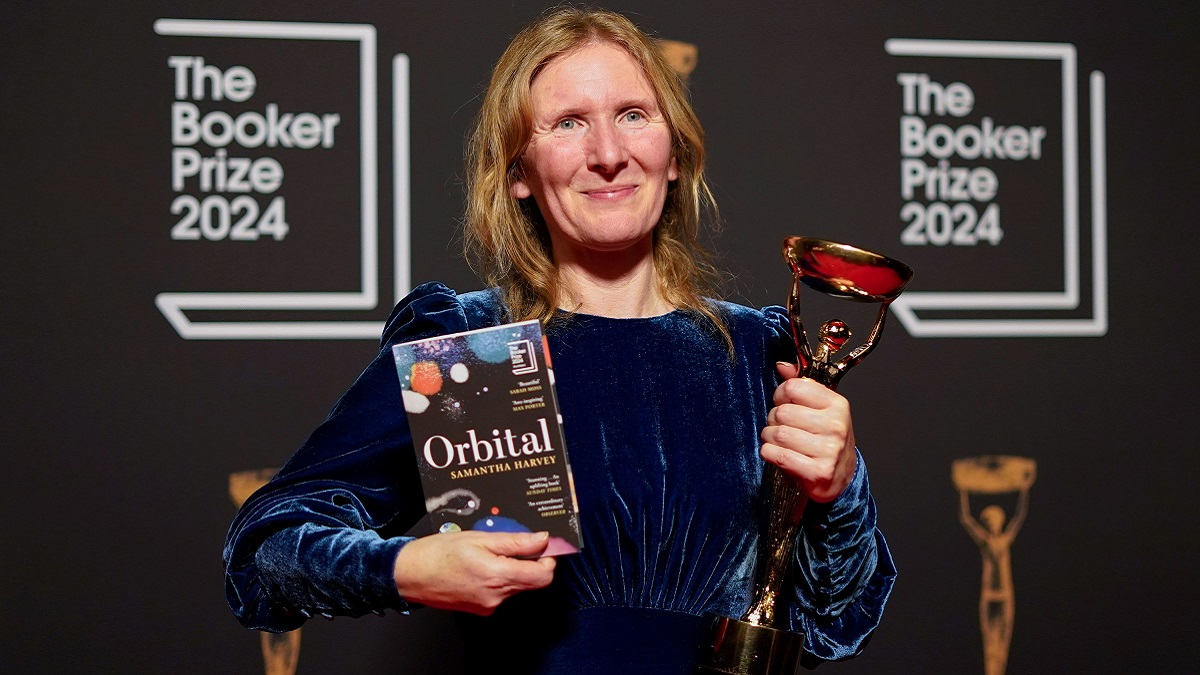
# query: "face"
[[599, 161]]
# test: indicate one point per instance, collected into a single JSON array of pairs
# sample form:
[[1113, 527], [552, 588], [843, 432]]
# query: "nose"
[[607, 152]]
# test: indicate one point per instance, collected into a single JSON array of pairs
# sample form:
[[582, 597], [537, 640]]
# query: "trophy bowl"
[[993, 474], [845, 271]]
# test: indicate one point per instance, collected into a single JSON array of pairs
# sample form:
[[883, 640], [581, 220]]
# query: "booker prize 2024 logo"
[[989, 182], [220, 174], [273, 174]]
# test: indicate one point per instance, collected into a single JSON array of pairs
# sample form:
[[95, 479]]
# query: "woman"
[[585, 196]]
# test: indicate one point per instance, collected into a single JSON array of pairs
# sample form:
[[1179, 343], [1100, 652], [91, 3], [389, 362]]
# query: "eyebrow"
[[577, 111]]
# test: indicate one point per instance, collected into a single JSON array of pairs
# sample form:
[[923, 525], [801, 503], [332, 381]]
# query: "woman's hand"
[[809, 435], [471, 571]]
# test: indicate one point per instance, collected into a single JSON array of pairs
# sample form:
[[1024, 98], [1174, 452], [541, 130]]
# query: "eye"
[[567, 125], [634, 116]]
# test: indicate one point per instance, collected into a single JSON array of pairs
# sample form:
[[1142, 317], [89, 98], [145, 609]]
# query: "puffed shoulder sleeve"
[[779, 343], [322, 536]]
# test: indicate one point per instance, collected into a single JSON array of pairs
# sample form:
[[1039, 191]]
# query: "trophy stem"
[[787, 500]]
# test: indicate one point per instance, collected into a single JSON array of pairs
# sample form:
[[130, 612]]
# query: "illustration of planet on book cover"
[[488, 435]]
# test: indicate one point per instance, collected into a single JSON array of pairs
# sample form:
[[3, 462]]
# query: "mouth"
[[611, 192]]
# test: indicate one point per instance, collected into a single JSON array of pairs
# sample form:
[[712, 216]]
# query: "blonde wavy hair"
[[507, 240]]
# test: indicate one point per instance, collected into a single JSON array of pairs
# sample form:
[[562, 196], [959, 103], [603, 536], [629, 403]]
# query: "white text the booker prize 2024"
[[217, 197], [942, 198]]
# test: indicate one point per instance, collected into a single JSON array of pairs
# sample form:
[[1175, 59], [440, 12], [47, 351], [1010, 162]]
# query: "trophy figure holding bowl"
[[755, 644]]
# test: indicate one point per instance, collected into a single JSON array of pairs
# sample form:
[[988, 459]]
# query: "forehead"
[[596, 73]]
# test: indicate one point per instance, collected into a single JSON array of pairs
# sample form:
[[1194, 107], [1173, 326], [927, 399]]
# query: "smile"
[[611, 193]]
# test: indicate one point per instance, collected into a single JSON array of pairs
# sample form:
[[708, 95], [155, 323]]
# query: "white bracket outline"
[[401, 186], [173, 305], [1068, 298]]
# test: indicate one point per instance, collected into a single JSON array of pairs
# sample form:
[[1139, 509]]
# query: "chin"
[[615, 244], [616, 235]]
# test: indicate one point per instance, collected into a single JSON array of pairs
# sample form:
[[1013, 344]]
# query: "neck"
[[618, 284]]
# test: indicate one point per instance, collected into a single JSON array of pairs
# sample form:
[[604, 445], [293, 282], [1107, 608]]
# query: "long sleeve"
[[323, 535], [843, 572]]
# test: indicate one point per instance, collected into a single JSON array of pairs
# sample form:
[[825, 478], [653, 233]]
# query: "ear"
[[673, 170], [520, 189]]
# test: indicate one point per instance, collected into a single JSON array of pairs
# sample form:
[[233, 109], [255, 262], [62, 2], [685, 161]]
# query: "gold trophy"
[[991, 476], [754, 645]]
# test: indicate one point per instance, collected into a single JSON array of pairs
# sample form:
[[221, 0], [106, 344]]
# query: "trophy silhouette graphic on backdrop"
[[280, 651], [755, 644], [994, 475]]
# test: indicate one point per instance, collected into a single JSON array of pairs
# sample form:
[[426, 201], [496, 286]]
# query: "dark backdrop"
[[120, 434]]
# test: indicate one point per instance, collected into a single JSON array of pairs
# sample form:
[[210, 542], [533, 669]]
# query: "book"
[[487, 433]]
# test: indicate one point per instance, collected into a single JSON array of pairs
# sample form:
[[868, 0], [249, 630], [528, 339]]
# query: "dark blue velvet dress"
[[662, 429]]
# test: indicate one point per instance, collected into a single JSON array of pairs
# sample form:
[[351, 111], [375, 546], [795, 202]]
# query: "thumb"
[[787, 370], [518, 544]]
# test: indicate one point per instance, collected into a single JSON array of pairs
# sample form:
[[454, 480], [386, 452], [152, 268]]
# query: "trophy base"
[[741, 648]]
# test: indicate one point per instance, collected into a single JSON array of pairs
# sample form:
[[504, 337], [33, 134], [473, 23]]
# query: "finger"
[[787, 370], [795, 439], [801, 417], [810, 432], [820, 479], [827, 425], [795, 464], [521, 575], [809, 393], [516, 544], [799, 390]]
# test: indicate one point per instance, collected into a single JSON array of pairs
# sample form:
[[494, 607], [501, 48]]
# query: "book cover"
[[488, 435]]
